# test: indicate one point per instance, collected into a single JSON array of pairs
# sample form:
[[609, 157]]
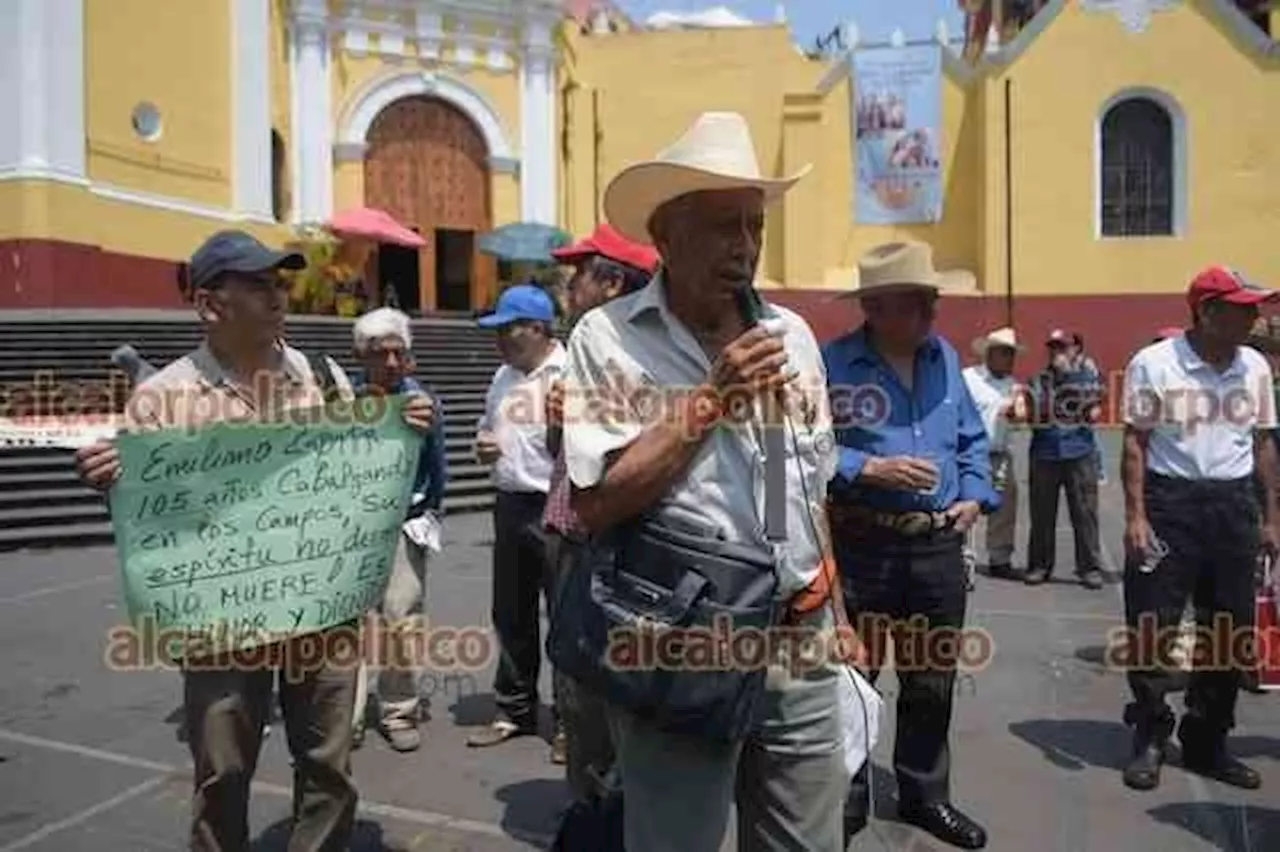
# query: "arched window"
[[279, 196], [1138, 189]]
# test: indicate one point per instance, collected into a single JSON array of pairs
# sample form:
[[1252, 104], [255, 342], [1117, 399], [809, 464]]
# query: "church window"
[[147, 122], [1138, 191]]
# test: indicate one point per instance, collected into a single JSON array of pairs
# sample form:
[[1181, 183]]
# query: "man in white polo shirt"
[[998, 398], [1197, 410]]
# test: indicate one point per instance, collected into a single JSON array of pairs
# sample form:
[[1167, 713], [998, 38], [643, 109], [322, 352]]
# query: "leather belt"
[[860, 519]]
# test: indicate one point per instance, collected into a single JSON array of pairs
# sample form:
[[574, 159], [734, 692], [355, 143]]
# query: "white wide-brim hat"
[[715, 153], [1005, 337], [907, 265]]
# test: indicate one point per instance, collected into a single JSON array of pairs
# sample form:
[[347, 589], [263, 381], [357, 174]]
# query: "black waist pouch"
[[671, 625]]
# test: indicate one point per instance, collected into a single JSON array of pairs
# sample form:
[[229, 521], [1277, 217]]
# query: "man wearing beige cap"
[[914, 476], [996, 394], [683, 467]]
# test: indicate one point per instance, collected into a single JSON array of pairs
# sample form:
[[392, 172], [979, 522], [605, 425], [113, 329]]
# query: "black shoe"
[[1036, 576], [1207, 755], [1225, 768], [1251, 683], [1000, 571], [1143, 771], [945, 822], [1091, 579]]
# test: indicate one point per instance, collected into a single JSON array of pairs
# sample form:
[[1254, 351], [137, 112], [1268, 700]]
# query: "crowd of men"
[[666, 507]]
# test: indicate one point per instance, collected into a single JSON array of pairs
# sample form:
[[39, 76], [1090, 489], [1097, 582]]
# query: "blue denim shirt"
[[1060, 402], [432, 473], [875, 415]]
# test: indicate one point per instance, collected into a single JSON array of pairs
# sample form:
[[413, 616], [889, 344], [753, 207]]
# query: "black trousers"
[[910, 589], [1212, 531], [520, 575], [1079, 478], [583, 714]]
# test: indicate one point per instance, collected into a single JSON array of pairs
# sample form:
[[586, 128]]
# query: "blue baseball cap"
[[237, 251], [521, 302]]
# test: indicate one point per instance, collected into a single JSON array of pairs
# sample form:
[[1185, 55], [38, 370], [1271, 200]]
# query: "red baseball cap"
[[1058, 337], [606, 242], [1218, 283]]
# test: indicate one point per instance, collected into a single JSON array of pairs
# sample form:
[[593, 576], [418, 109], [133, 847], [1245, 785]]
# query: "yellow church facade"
[[145, 125]]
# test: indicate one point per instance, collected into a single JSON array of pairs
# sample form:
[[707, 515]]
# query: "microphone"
[[127, 358], [750, 308], [749, 305]]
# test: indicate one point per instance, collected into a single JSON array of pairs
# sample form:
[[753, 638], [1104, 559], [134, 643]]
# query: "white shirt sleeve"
[[1266, 396], [600, 384], [1142, 398], [491, 400]]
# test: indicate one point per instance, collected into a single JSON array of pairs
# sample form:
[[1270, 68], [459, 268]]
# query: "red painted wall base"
[[53, 274]]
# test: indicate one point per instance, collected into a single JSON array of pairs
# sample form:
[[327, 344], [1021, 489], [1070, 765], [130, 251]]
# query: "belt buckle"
[[915, 524]]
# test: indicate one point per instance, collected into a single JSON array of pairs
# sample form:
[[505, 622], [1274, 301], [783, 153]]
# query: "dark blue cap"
[[521, 302], [236, 251]]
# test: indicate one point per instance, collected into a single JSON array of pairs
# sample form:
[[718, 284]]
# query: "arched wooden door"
[[428, 165]]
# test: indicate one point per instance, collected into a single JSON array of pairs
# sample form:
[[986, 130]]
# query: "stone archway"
[[427, 164]]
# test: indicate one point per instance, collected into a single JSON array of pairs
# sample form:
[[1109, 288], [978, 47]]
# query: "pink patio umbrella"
[[376, 225]]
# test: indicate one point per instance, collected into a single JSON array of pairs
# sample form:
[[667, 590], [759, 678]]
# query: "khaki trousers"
[[1002, 525], [226, 709], [788, 778], [403, 606]]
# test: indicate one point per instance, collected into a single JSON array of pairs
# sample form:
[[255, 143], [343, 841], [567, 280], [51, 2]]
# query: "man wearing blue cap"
[[243, 372], [512, 436]]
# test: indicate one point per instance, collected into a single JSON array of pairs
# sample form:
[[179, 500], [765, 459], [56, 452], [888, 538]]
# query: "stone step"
[[45, 495], [67, 534]]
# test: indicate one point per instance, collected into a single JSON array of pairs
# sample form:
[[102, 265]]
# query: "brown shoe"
[[560, 749], [499, 732]]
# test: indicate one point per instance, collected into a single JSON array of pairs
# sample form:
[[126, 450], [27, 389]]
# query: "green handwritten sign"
[[237, 535]]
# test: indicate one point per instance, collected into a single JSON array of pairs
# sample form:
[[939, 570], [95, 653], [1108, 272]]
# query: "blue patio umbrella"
[[529, 242]]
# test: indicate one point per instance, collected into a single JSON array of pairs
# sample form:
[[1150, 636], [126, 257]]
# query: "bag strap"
[[688, 590], [324, 374]]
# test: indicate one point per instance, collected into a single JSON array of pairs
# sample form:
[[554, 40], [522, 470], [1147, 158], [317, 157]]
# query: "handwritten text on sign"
[[238, 535]]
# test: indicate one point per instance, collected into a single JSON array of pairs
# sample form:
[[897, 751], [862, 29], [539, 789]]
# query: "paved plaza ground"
[[93, 760]]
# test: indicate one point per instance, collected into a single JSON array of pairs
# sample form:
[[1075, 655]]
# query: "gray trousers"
[[788, 778]]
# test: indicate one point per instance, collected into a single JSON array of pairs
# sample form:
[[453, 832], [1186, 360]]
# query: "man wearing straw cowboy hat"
[[701, 202], [914, 476], [996, 394]]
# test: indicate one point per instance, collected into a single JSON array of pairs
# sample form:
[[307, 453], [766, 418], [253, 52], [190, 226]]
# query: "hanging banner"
[[897, 116]]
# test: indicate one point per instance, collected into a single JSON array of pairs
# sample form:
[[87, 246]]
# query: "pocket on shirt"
[[945, 422]]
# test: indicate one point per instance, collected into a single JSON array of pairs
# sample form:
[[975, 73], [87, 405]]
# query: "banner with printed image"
[[897, 118]]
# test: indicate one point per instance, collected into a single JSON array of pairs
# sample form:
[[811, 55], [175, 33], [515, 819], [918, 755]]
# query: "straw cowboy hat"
[[908, 264], [716, 152], [1265, 335], [1004, 337]]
